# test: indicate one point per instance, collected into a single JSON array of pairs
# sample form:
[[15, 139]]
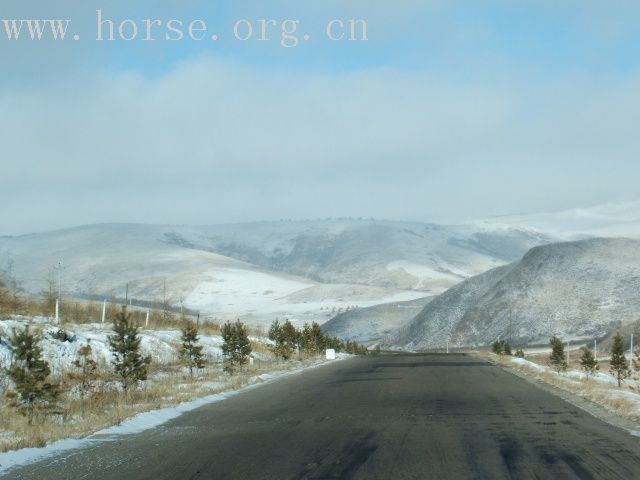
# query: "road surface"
[[385, 417]]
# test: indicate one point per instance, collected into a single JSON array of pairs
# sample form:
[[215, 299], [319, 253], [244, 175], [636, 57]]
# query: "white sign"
[[331, 354]]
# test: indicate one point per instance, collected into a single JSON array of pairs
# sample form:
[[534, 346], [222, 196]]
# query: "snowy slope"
[[261, 270], [371, 325], [608, 220], [581, 289]]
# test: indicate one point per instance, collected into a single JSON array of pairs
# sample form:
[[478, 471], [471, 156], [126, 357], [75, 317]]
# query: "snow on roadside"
[[600, 377], [141, 422], [162, 345], [527, 363], [601, 388]]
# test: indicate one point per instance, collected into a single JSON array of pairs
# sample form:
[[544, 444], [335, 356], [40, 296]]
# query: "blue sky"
[[452, 110]]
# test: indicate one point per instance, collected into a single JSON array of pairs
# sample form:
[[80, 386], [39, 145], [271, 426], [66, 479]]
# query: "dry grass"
[[108, 405], [608, 396]]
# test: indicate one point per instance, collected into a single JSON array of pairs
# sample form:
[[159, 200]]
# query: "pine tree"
[[557, 359], [318, 339], [128, 362], [501, 347], [191, 351], [588, 362], [285, 338], [312, 339], [29, 373], [87, 366], [619, 366], [290, 335], [274, 330], [236, 346]]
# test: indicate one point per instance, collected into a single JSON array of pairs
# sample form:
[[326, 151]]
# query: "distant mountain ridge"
[[253, 270], [582, 289], [406, 255]]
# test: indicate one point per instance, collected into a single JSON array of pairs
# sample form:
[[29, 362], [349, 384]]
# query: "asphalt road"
[[385, 417]]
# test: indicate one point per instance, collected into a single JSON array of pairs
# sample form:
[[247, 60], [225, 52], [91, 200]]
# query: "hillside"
[[372, 324], [609, 220], [257, 271], [577, 290]]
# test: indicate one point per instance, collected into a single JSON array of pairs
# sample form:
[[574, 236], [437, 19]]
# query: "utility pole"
[[146, 321], [59, 278], [126, 295], [595, 350], [104, 309], [59, 291], [631, 348], [198, 320], [447, 346]]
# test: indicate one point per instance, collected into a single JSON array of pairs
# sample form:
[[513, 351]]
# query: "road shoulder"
[[594, 409]]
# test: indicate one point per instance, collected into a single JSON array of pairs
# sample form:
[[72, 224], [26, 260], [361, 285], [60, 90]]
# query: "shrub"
[[128, 362], [236, 347], [557, 359], [191, 351], [30, 373]]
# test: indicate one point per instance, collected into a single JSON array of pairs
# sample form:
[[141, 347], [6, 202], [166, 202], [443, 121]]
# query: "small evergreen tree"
[[520, 353], [285, 338], [129, 364], [87, 367], [274, 330], [588, 362], [557, 359], [191, 351], [619, 366], [501, 347], [312, 339], [236, 346], [30, 372], [291, 335]]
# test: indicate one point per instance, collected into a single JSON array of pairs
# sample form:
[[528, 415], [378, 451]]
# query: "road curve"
[[386, 417]]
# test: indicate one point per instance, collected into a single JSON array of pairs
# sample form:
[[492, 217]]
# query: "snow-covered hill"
[[302, 270], [372, 324], [582, 289], [608, 220]]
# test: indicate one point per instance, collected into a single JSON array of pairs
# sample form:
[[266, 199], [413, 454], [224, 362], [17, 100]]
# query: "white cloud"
[[214, 140]]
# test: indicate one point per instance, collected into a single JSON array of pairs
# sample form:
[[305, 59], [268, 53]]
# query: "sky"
[[450, 111]]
